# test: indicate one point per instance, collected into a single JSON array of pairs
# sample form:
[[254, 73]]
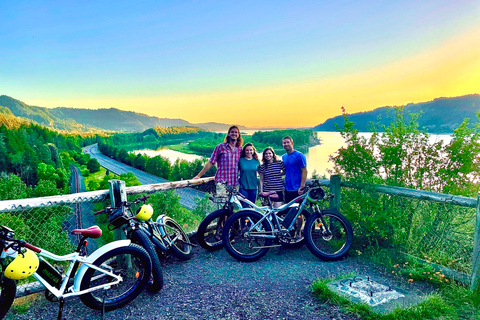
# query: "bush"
[[402, 156], [93, 165]]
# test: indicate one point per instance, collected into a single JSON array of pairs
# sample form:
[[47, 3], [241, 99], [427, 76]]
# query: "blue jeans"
[[250, 194]]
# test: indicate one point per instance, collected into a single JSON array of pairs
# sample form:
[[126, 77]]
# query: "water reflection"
[[172, 155], [317, 156]]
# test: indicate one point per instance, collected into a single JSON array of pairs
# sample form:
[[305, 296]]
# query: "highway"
[[187, 195]]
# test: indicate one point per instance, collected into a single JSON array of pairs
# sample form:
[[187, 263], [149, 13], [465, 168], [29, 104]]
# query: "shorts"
[[290, 195]]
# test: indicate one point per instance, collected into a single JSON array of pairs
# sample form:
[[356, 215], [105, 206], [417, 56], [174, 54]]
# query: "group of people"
[[239, 166]]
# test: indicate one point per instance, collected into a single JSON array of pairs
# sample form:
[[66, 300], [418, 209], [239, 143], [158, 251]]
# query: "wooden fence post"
[[118, 195], [335, 190], [476, 251]]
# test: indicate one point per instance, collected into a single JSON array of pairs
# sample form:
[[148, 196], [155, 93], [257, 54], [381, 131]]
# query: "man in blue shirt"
[[295, 170]]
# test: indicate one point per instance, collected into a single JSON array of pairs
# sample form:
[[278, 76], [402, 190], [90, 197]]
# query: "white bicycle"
[[109, 278]]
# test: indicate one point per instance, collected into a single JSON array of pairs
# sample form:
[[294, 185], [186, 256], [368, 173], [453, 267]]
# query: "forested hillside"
[[442, 115], [36, 157], [76, 119]]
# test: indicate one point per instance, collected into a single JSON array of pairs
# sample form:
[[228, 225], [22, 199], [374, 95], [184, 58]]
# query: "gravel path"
[[212, 285]]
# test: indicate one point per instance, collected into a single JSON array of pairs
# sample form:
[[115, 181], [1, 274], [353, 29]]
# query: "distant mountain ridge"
[[441, 115], [73, 119]]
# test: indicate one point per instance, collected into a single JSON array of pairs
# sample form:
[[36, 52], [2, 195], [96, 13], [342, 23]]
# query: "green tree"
[[93, 165], [57, 176], [45, 188], [130, 179], [12, 187]]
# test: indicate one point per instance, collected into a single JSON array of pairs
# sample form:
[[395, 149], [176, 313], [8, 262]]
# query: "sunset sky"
[[253, 63]]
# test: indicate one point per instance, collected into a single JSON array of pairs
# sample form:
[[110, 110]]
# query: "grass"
[[450, 300], [434, 307], [97, 176]]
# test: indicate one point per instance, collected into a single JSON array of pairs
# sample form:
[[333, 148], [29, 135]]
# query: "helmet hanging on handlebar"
[[315, 195], [23, 266], [144, 213]]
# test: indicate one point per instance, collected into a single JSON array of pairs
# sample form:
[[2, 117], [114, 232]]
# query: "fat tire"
[[9, 290], [346, 230], [142, 260], [203, 238], [181, 249], [302, 241], [139, 237], [233, 232]]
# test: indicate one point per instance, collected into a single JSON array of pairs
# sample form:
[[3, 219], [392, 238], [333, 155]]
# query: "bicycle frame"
[[75, 259], [275, 220], [160, 238], [235, 201]]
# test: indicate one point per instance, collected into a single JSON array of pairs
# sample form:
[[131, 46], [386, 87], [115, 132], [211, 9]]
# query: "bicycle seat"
[[270, 194], [92, 232]]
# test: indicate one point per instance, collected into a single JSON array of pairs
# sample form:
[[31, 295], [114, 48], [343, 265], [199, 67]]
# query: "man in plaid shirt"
[[226, 156]]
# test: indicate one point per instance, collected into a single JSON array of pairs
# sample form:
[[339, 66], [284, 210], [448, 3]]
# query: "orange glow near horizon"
[[452, 69]]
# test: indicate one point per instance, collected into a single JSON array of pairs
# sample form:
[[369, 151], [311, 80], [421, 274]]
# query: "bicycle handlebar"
[[126, 204], [29, 246]]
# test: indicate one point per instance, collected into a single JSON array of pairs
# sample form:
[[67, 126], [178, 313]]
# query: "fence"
[[439, 229], [47, 222]]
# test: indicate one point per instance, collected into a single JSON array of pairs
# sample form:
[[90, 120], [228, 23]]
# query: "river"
[[317, 156]]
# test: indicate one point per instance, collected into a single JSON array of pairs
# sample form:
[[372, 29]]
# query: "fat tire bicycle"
[[210, 230], [112, 276], [249, 234], [122, 216], [164, 235], [8, 289]]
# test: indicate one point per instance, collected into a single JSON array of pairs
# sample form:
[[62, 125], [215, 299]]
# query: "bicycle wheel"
[[241, 240], [331, 238], [209, 233], [7, 295], [139, 237], [132, 263], [296, 237], [180, 245]]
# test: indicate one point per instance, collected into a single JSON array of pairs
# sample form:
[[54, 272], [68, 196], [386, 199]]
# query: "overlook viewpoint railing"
[[442, 224]]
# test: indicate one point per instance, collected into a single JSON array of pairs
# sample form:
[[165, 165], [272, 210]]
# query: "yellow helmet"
[[23, 266], [144, 213]]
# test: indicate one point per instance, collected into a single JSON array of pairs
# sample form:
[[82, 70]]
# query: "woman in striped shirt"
[[271, 172]]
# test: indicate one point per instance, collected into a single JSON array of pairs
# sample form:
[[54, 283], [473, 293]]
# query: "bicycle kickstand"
[[60, 308], [103, 302]]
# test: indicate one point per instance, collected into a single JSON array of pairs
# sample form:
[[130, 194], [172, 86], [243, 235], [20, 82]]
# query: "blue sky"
[[267, 60]]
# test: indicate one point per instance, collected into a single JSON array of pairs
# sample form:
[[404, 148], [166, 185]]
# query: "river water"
[[317, 156]]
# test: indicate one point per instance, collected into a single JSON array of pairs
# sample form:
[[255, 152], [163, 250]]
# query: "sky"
[[252, 63]]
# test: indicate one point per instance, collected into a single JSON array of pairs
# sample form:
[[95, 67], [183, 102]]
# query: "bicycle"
[[163, 235], [248, 234], [210, 230], [122, 216], [109, 278]]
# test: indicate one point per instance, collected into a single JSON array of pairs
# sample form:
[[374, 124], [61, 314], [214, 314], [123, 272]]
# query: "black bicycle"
[[161, 237], [122, 216]]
